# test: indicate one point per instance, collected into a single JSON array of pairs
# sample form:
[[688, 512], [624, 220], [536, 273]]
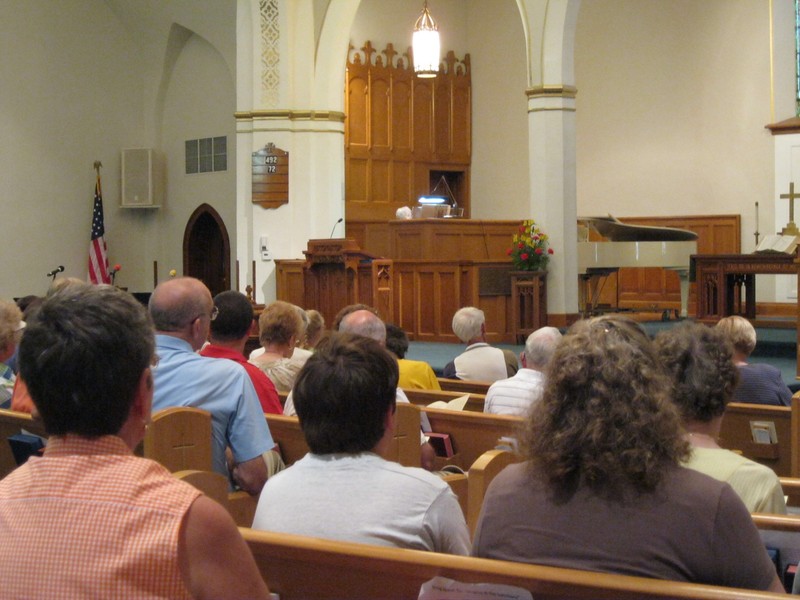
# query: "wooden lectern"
[[337, 273]]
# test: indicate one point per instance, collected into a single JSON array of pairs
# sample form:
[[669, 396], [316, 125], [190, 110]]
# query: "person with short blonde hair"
[[280, 327], [315, 329], [759, 383]]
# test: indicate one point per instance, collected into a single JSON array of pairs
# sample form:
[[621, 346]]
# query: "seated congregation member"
[[315, 329], [366, 322], [758, 383], [280, 327], [414, 374], [229, 334], [603, 488], [11, 326], [516, 395], [89, 519], [182, 310], [479, 361], [698, 359], [344, 489]]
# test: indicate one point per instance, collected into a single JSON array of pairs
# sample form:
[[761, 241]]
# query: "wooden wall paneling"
[[379, 97], [401, 181], [422, 124], [403, 297], [462, 120], [379, 189], [382, 288], [290, 285], [402, 114], [442, 120], [356, 170], [357, 108]]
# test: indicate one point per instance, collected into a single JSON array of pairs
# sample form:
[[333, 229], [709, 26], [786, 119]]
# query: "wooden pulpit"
[[338, 273]]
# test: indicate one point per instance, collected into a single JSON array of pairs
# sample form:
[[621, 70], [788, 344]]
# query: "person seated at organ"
[[758, 383], [345, 489], [89, 519], [414, 374], [699, 361], [479, 361], [280, 327], [603, 488]]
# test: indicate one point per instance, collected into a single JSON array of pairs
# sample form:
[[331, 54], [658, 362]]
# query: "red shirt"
[[265, 389]]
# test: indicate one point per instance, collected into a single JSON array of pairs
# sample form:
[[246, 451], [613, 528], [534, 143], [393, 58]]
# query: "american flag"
[[98, 253]]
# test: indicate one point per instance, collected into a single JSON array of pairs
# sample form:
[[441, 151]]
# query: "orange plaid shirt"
[[91, 520]]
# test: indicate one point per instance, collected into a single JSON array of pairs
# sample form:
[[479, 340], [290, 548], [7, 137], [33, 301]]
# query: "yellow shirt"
[[416, 375]]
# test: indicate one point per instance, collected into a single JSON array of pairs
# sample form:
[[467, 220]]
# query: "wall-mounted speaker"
[[141, 178]]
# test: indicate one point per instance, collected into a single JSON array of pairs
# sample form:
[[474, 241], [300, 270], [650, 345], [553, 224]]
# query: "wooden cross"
[[791, 197]]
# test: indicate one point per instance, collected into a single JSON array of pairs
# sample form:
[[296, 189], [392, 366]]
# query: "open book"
[[454, 404], [785, 244]]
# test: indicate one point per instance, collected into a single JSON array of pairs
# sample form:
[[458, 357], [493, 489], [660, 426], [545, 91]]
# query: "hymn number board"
[[270, 176]]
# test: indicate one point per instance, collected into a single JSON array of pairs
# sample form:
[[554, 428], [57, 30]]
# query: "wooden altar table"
[[726, 283]]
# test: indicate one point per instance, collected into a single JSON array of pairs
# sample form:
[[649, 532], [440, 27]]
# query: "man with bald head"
[[182, 310]]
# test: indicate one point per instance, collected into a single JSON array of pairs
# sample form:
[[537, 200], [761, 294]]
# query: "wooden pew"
[[289, 436], [472, 433], [180, 439], [736, 435], [240, 505], [481, 474], [465, 386], [298, 567], [12, 423], [423, 398]]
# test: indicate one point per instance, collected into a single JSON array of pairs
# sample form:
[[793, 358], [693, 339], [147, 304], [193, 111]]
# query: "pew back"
[[472, 433], [301, 567], [289, 436], [12, 423], [464, 386], [180, 439], [736, 434]]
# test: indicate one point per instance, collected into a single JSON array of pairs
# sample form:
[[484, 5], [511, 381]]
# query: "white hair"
[[467, 323], [540, 346]]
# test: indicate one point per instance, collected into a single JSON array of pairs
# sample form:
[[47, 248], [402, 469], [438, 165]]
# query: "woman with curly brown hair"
[[700, 362], [602, 488]]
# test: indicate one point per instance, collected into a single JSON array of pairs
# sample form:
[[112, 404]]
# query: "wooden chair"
[[302, 567], [180, 439], [464, 386], [737, 435]]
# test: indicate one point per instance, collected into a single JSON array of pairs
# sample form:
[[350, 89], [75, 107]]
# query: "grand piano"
[[630, 246]]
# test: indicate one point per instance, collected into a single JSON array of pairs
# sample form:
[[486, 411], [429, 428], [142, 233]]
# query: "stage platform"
[[776, 346]]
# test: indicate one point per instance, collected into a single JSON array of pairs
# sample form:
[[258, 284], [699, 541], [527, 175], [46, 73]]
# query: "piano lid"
[[617, 231]]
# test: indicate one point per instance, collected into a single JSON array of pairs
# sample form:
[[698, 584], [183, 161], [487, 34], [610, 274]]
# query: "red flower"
[[524, 256], [509, 251], [538, 251], [549, 250], [522, 228], [521, 245], [117, 267]]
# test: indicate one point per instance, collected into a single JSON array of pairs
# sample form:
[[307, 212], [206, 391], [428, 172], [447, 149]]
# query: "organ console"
[[631, 246]]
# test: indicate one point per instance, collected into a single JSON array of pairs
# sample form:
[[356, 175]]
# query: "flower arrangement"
[[530, 248]]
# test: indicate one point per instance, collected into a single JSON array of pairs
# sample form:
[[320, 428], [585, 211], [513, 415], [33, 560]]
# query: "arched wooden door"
[[207, 249]]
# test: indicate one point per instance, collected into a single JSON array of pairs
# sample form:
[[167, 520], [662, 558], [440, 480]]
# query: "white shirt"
[[363, 498], [515, 395], [481, 362]]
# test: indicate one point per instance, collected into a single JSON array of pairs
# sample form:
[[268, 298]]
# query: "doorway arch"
[[207, 249]]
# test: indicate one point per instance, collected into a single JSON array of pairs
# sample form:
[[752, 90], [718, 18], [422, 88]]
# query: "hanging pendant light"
[[425, 43]]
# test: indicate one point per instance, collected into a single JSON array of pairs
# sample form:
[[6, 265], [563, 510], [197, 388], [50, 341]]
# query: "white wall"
[[672, 102], [65, 102]]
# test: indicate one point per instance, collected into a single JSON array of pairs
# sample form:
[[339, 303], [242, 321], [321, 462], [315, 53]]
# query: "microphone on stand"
[[334, 226], [54, 272]]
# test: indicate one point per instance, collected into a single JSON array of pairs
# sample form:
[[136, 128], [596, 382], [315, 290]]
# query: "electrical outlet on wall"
[[264, 248]]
